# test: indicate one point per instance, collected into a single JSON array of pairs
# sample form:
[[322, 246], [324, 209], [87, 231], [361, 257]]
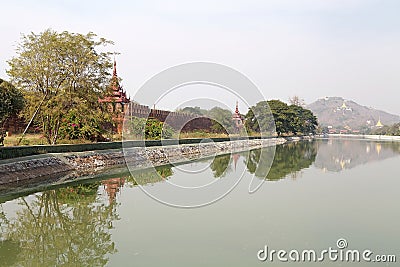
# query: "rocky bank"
[[68, 166]]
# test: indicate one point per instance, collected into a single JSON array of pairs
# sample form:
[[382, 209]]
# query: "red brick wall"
[[177, 120], [14, 125]]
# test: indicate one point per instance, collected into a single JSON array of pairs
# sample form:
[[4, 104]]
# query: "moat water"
[[316, 193]]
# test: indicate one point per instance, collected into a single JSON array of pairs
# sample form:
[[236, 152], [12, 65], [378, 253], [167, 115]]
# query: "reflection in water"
[[60, 227], [337, 155], [9, 251], [289, 159], [112, 187], [149, 176], [235, 158], [221, 165], [72, 225]]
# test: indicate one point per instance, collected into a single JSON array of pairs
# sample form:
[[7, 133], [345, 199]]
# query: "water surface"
[[315, 193]]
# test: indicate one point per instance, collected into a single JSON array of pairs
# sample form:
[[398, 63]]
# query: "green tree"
[[310, 122], [63, 75], [259, 118], [157, 130], [11, 103], [286, 119], [222, 120], [263, 117], [142, 128], [283, 116], [301, 120]]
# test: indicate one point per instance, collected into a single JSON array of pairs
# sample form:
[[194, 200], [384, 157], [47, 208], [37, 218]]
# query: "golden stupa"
[[379, 123]]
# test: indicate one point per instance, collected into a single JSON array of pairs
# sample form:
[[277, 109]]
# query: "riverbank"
[[60, 168], [22, 151], [76, 164]]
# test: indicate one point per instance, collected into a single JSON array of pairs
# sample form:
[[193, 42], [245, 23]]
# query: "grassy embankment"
[[38, 139]]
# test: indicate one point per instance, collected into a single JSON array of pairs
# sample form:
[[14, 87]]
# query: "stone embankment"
[[155, 156], [38, 168], [33, 168]]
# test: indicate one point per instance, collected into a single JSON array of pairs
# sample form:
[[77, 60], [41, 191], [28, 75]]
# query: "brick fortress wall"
[[178, 120], [15, 125]]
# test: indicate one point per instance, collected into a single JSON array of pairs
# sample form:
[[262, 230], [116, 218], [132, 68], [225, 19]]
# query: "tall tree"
[[282, 115], [259, 118], [302, 120], [68, 73], [287, 119]]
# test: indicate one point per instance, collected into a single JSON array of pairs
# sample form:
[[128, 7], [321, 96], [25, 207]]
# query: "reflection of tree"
[[64, 227], [3, 219], [259, 161], [149, 176], [289, 159], [220, 165], [9, 251]]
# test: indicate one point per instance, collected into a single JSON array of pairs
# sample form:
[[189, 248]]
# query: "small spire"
[[379, 123], [115, 68], [235, 159], [237, 107]]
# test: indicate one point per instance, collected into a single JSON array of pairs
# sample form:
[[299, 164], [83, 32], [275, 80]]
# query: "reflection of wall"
[[336, 155]]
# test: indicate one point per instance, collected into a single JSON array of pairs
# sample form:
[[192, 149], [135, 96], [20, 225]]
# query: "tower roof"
[[237, 113], [115, 69], [117, 94]]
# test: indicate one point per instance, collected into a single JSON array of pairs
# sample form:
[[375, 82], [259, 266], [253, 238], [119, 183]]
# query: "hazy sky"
[[310, 48]]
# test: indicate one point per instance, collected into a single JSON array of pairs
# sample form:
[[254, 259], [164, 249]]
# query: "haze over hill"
[[341, 113]]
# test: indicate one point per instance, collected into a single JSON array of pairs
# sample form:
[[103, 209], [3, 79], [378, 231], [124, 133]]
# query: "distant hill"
[[340, 113]]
